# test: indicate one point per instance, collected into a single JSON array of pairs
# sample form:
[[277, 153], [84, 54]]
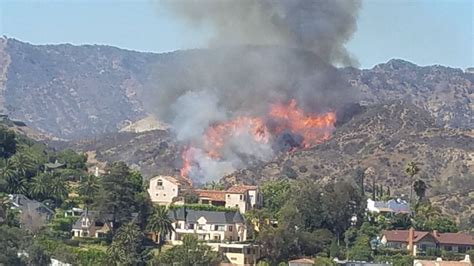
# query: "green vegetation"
[[191, 252]]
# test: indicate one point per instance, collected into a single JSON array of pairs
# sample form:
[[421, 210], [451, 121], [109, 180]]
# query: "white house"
[[392, 206], [163, 190], [211, 226]]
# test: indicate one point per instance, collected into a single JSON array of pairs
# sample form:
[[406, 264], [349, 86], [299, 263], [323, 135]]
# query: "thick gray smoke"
[[319, 26], [263, 52]]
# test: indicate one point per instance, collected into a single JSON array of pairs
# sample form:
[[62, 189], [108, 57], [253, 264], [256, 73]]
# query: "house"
[[33, 213], [238, 253], [393, 206], [301, 262], [92, 224], [164, 190], [54, 166], [73, 212], [211, 226], [421, 241], [211, 197], [439, 262], [243, 197]]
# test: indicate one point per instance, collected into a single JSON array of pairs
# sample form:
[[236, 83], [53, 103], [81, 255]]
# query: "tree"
[[23, 164], [59, 189], [361, 250], [127, 246], [10, 244], [88, 189], [160, 224], [191, 252], [420, 188], [411, 170], [117, 195], [7, 142], [16, 184], [213, 185], [40, 186], [72, 159], [8, 216], [275, 195], [7, 171], [334, 249]]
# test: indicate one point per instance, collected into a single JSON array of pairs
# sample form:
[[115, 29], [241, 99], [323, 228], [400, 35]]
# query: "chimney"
[[411, 235], [435, 233]]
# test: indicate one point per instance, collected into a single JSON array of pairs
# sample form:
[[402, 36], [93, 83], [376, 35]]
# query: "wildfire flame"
[[313, 128]]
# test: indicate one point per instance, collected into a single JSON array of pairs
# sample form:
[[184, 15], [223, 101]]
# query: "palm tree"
[[88, 190], [23, 163], [5, 206], [126, 247], [58, 189], [6, 172], [160, 224], [411, 170], [40, 185], [16, 184], [420, 188]]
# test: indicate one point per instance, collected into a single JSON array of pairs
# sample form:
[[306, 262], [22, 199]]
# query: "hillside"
[[75, 92], [384, 139]]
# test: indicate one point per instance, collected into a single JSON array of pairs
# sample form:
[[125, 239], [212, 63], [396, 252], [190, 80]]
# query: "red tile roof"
[[455, 238], [241, 188], [442, 238], [402, 235], [216, 195]]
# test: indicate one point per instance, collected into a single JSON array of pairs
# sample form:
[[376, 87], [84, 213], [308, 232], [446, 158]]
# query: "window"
[[164, 195], [159, 183], [241, 196], [228, 195], [219, 227], [200, 227], [230, 228], [178, 225], [190, 226], [448, 248]]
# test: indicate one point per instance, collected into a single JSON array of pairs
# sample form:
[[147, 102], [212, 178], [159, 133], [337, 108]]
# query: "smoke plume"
[[262, 52]]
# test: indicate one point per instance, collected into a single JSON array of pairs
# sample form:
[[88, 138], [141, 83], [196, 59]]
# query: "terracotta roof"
[[442, 238], [454, 238], [180, 181], [217, 195], [402, 235], [241, 188]]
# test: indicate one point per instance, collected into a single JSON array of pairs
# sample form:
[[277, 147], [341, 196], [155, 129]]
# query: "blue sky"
[[422, 31]]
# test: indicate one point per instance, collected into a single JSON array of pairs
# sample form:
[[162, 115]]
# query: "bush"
[[395, 260], [324, 261], [71, 242]]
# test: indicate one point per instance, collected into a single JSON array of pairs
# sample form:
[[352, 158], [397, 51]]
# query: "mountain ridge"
[[75, 92]]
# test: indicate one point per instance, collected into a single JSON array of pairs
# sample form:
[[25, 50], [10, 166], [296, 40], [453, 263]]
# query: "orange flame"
[[187, 156], [314, 129]]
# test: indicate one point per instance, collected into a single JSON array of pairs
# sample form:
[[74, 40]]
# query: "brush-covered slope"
[[380, 142], [82, 91]]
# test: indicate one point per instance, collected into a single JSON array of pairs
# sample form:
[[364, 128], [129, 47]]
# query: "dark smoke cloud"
[[262, 52], [319, 26]]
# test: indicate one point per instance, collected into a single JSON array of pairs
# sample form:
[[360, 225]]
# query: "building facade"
[[422, 241], [211, 226]]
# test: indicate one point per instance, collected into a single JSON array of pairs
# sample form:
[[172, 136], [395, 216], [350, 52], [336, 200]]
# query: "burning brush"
[[231, 144]]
